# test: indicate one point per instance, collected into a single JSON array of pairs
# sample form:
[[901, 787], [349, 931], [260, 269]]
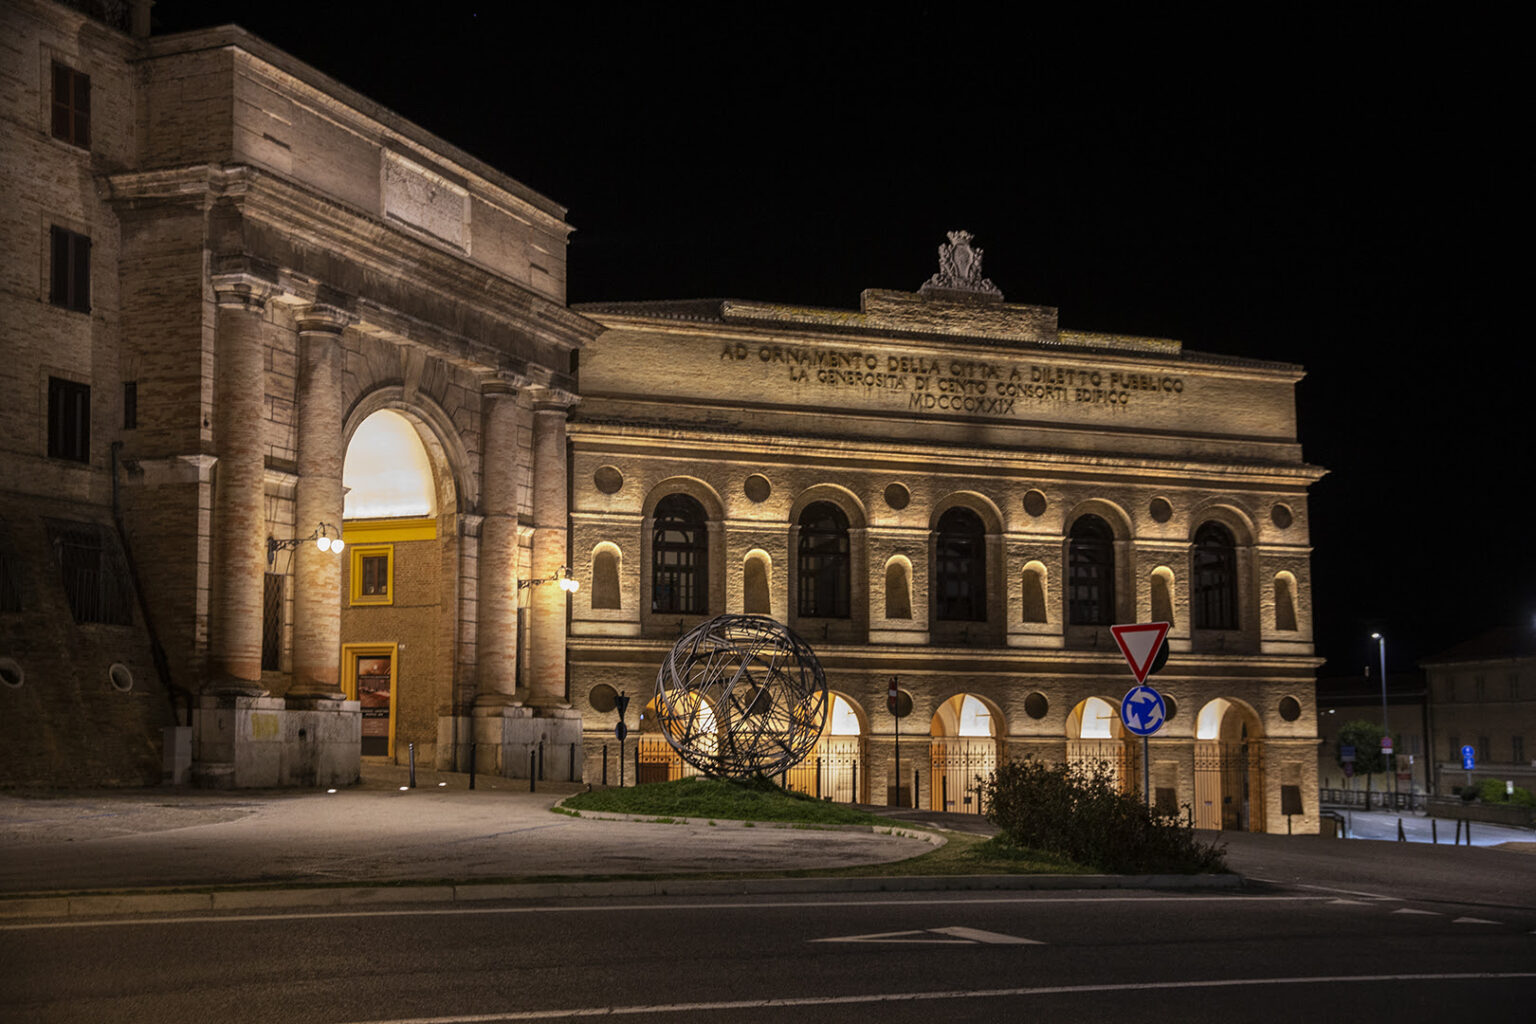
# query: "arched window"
[[755, 585], [1214, 573], [1091, 573], [898, 588], [960, 563], [605, 576], [679, 557], [823, 566]]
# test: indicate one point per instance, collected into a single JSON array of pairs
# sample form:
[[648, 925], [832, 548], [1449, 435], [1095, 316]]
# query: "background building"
[[951, 490], [244, 309], [1483, 695]]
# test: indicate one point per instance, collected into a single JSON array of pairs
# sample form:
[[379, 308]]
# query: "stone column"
[[548, 602], [318, 499], [496, 594], [239, 519]]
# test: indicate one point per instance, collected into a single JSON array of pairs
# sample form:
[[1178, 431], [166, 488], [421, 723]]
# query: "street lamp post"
[[1381, 650]]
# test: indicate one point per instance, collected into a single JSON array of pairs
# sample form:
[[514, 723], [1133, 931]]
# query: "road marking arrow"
[[958, 935]]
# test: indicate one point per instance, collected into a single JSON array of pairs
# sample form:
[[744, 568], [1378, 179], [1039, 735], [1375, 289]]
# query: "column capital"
[[320, 318], [552, 399], [241, 290], [503, 382]]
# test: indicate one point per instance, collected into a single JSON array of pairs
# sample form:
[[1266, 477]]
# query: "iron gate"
[[958, 761]]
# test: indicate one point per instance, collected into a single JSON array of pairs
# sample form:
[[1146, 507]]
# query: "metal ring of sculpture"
[[741, 695]]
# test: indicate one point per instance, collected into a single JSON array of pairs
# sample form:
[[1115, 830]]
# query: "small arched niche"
[[898, 587], [1285, 602], [1162, 595], [607, 560], [757, 583], [1033, 592]]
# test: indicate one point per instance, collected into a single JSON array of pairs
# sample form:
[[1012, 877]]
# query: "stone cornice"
[[867, 453]]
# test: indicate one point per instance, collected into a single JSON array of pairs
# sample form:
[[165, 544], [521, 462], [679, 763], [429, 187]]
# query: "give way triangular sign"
[[1140, 643]]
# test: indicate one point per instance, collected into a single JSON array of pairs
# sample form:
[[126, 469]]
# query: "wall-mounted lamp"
[[562, 576], [322, 538]]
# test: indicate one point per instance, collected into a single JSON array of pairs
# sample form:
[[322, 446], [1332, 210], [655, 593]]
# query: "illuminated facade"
[[236, 291], [950, 490]]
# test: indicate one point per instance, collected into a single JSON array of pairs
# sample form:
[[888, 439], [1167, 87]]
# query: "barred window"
[[960, 560], [93, 572], [1215, 578], [679, 557], [69, 420], [823, 566], [69, 269], [272, 622], [1091, 573]]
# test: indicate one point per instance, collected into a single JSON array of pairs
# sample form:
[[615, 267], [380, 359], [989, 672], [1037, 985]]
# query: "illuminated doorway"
[[1229, 768], [370, 680], [963, 751], [1095, 736], [835, 768]]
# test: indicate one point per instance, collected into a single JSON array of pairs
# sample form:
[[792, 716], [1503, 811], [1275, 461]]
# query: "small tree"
[[1365, 737]]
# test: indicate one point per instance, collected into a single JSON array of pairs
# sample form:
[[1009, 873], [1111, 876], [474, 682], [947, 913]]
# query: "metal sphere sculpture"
[[741, 695]]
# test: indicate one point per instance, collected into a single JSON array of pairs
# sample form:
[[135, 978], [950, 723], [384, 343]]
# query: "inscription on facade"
[[954, 384]]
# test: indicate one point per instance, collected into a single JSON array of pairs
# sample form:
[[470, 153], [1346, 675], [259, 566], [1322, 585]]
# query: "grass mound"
[[729, 799]]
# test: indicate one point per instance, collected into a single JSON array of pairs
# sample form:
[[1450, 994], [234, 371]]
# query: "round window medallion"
[[1280, 515], [10, 673], [120, 676], [1290, 708], [757, 488], [897, 496], [602, 697], [608, 480], [1035, 705], [1034, 502], [1170, 707], [1161, 510]]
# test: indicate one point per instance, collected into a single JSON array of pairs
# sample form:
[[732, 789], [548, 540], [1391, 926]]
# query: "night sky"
[[1332, 189]]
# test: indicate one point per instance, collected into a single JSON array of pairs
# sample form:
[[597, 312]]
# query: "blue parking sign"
[[1468, 757]]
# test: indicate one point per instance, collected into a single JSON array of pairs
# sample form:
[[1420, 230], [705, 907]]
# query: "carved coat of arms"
[[960, 268]]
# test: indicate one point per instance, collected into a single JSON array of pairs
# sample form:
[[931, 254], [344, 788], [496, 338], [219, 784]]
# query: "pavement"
[[170, 849], [1419, 828]]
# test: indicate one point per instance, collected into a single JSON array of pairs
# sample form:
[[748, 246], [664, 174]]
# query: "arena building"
[[249, 314], [950, 494]]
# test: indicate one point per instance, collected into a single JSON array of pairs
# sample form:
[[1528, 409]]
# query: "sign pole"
[[1146, 772]]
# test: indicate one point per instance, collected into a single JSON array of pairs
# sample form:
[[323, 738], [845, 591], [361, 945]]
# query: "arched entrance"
[[1095, 735], [834, 770], [655, 758], [392, 590], [964, 748], [1229, 767]]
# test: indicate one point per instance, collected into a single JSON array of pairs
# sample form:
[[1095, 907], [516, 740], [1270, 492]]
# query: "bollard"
[[637, 762], [1469, 831], [1400, 837], [532, 767], [818, 776], [541, 759], [471, 764], [1434, 833], [916, 781], [855, 798], [1457, 840], [572, 776], [411, 749], [605, 764]]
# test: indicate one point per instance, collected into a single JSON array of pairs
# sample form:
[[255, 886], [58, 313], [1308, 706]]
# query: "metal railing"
[[1370, 800]]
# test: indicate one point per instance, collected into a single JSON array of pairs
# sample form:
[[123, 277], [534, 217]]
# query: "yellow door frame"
[[349, 655]]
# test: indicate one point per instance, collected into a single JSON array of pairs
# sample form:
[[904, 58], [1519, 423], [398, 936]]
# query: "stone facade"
[[895, 415], [272, 259]]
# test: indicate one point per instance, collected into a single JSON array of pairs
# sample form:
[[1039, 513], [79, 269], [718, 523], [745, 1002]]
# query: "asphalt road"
[[1073, 956]]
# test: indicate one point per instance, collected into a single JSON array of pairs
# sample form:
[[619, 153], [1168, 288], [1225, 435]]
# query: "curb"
[[29, 909]]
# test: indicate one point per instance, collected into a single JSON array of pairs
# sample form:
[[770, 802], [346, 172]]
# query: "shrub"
[[1491, 791], [1079, 813]]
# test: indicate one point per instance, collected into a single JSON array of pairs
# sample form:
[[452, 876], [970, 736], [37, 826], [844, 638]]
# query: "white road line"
[[1325, 888], [959, 936], [1412, 910], [991, 938], [226, 916], [1474, 920], [906, 997]]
